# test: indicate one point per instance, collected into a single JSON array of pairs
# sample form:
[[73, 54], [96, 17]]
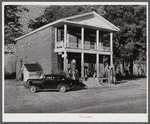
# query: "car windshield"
[[59, 78], [50, 78]]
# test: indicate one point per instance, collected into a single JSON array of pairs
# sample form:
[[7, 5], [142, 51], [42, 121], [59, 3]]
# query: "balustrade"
[[86, 46]]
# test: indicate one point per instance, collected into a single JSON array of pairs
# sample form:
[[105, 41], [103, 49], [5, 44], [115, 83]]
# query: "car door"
[[59, 80], [49, 82]]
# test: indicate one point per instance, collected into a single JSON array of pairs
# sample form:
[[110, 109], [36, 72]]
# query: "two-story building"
[[56, 44]]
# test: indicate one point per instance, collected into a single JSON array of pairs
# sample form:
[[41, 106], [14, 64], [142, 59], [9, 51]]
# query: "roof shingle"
[[32, 67]]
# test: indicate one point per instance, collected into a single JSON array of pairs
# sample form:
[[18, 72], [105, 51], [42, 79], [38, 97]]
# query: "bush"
[[10, 75]]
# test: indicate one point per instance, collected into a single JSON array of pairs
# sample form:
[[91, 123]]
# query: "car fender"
[[31, 83], [28, 83]]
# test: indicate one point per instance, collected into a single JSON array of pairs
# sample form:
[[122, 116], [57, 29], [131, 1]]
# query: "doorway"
[[77, 58]]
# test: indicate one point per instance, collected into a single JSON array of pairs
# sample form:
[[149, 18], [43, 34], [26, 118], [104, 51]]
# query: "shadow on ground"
[[125, 79], [76, 88]]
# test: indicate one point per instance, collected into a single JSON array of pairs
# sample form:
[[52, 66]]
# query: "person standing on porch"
[[106, 69], [70, 72], [86, 73], [94, 74], [76, 74]]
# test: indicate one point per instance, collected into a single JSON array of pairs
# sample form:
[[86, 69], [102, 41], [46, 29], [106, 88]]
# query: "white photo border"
[[71, 117]]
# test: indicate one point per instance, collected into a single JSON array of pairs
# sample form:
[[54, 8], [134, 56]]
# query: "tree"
[[130, 41], [53, 13], [12, 26]]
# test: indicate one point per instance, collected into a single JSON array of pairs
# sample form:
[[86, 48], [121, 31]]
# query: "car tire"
[[62, 88], [32, 89]]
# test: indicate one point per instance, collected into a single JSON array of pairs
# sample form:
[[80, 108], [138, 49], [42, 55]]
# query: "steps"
[[92, 83]]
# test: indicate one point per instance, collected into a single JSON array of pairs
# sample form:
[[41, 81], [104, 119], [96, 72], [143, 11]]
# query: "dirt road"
[[126, 97]]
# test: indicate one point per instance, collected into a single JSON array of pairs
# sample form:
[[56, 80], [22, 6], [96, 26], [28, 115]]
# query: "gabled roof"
[[93, 19], [89, 20], [32, 67]]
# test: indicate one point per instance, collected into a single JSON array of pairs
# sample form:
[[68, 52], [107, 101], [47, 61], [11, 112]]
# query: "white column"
[[111, 48], [97, 63], [65, 43], [55, 38], [65, 35], [97, 39], [65, 61], [82, 65], [111, 42], [82, 38]]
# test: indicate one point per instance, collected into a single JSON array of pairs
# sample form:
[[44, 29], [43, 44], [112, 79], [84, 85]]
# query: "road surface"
[[129, 96]]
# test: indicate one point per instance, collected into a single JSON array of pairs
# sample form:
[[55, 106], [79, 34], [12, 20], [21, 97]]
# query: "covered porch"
[[86, 46], [87, 64]]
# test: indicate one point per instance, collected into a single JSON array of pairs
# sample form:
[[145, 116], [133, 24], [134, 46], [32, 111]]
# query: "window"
[[59, 78], [50, 78], [62, 35]]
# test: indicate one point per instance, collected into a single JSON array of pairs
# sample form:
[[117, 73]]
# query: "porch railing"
[[89, 47], [105, 49], [74, 45], [86, 46], [59, 44]]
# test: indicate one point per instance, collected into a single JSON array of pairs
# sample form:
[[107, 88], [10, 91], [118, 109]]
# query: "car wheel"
[[62, 89], [32, 89]]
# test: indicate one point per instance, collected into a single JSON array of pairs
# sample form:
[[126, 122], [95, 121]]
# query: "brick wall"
[[39, 48]]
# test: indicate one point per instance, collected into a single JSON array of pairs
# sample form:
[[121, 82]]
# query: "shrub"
[[10, 75]]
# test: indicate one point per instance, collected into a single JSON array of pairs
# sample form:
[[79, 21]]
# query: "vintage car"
[[51, 82]]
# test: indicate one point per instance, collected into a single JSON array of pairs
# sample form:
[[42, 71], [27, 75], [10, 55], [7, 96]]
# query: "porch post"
[[55, 38], [97, 63], [65, 35], [65, 53], [97, 39], [111, 48], [65, 61], [82, 38], [82, 65]]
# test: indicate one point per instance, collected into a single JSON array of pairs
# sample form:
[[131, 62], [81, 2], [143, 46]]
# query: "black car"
[[52, 82]]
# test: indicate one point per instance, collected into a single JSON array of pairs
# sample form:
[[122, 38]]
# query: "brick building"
[[56, 44]]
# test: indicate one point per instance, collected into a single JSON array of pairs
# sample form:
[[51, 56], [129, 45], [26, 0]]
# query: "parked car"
[[51, 82]]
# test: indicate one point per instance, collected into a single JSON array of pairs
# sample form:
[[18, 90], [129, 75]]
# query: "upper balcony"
[[77, 38], [87, 46]]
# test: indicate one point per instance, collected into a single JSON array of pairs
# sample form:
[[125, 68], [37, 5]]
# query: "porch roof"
[[86, 25], [89, 20]]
